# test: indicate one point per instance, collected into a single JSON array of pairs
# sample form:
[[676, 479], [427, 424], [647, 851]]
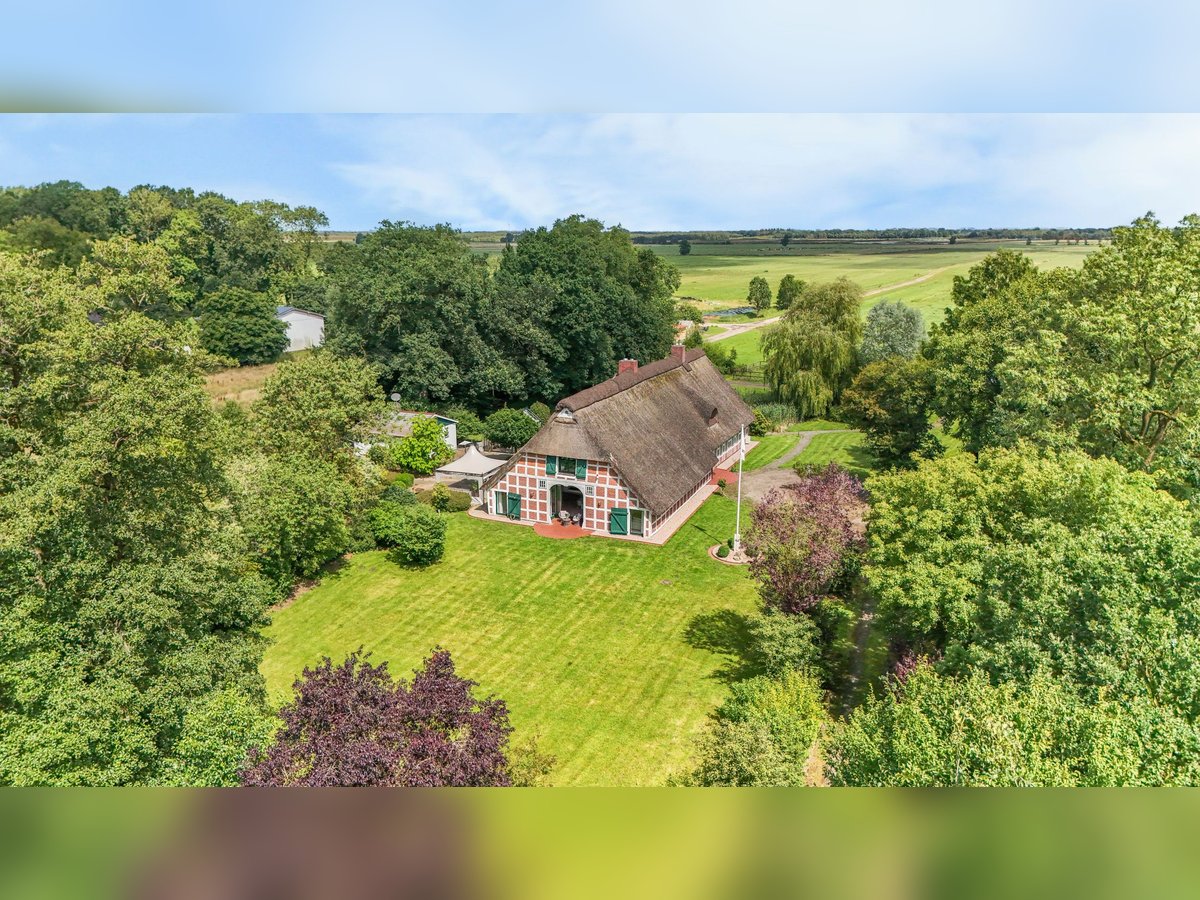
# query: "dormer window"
[[565, 415], [712, 416]]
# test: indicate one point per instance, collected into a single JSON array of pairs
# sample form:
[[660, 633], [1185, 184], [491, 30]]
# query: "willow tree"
[[810, 355]]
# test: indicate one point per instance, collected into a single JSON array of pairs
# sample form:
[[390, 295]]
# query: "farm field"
[[718, 274], [726, 277], [614, 652]]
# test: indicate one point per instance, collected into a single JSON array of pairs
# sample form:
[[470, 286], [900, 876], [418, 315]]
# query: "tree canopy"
[[810, 355], [758, 294], [892, 329], [352, 725], [1025, 561], [1106, 358], [940, 730], [124, 598]]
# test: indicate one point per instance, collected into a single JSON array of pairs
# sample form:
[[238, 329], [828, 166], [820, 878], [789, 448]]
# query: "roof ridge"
[[623, 381]]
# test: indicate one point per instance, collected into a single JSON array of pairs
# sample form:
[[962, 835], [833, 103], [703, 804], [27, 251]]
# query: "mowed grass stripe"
[[581, 638]]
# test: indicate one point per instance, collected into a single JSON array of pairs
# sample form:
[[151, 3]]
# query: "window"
[[500, 503], [728, 445], [566, 465], [637, 521]]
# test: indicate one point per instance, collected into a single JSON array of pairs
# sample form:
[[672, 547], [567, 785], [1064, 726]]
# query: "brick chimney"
[[627, 365], [677, 351]]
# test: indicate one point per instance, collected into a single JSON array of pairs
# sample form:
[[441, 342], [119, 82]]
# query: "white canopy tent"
[[471, 465]]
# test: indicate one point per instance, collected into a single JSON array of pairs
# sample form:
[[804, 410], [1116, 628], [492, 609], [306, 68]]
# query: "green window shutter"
[[514, 506], [551, 465], [581, 468], [618, 521]]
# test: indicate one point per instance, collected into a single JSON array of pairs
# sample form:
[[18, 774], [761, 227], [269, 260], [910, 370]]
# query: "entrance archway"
[[567, 499]]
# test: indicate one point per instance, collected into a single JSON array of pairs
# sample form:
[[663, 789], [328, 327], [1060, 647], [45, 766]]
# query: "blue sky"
[[645, 171]]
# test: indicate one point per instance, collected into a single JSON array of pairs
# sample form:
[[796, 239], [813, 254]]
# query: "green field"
[[614, 651], [721, 280], [718, 274], [747, 345]]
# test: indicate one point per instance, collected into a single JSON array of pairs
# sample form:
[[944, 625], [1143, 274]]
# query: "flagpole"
[[737, 528]]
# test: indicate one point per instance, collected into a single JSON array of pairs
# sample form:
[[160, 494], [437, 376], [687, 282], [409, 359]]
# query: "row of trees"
[[176, 254], [786, 235], [758, 294], [563, 305]]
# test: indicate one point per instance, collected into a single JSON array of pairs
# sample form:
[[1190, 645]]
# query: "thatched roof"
[[660, 426]]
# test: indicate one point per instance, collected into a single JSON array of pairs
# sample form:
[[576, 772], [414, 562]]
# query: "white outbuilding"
[[305, 329]]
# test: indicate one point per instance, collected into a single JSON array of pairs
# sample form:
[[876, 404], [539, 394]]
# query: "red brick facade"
[[602, 489]]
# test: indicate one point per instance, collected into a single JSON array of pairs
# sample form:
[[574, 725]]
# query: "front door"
[[637, 521], [618, 521], [514, 506]]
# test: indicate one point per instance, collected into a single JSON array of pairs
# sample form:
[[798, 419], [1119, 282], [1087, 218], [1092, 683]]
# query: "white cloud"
[[727, 171]]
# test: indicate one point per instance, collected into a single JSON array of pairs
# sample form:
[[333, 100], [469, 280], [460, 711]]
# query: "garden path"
[[757, 483]]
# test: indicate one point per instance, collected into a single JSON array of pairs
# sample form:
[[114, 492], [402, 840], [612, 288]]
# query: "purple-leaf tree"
[[805, 538], [353, 725]]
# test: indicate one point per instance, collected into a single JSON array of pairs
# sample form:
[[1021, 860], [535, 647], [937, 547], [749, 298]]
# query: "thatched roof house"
[[627, 454]]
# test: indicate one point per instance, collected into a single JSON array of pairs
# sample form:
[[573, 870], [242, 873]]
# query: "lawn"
[[818, 425], [770, 448], [846, 448], [615, 652]]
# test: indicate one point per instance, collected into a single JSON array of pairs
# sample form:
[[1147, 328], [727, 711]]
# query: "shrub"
[[457, 501], [722, 551], [420, 536], [378, 454], [762, 424], [398, 493], [721, 484], [762, 735], [528, 764], [405, 480], [423, 450], [541, 410], [439, 497], [385, 519], [362, 535], [781, 413], [781, 642]]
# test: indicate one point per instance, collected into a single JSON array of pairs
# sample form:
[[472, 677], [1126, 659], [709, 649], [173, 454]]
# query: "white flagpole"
[[737, 528]]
